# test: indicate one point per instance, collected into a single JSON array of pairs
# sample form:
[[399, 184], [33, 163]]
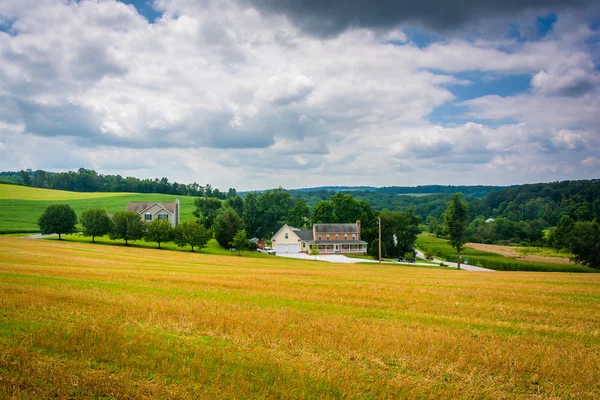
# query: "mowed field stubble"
[[92, 321]]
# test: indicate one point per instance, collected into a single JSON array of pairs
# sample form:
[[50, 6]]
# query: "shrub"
[[374, 249]]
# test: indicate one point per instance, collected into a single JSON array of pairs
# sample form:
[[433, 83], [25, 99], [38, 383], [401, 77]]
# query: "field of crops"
[[443, 250], [93, 321], [21, 206]]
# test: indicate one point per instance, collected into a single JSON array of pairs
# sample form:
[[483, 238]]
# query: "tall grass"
[[85, 321], [443, 250]]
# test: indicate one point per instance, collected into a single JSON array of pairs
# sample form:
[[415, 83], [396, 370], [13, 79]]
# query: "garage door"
[[286, 248]]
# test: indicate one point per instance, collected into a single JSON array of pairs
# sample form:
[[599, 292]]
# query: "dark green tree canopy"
[[128, 226], [227, 224], [58, 218], [399, 231], [95, 222], [299, 215], [374, 249], [206, 210], [236, 203], [324, 213], [253, 215], [585, 237], [159, 231]]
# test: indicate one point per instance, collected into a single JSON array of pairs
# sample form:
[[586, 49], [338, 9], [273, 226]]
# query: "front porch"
[[358, 248]]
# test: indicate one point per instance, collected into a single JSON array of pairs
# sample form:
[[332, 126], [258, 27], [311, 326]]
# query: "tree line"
[[126, 225], [87, 180]]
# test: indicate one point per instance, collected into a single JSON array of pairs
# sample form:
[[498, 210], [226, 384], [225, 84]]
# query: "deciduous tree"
[[456, 219], [324, 213], [192, 233], [159, 231], [585, 238], [206, 210], [58, 218], [95, 222], [127, 225], [240, 241]]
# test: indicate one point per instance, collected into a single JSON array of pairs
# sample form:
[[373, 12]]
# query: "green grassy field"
[[80, 320], [21, 206], [443, 250]]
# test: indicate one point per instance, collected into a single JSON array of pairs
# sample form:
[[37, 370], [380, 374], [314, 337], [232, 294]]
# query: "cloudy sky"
[[263, 93]]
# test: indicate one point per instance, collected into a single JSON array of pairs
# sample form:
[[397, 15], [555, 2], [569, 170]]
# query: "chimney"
[[358, 227], [176, 212]]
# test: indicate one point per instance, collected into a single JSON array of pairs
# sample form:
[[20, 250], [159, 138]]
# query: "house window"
[[147, 217], [345, 237], [303, 244], [163, 216], [337, 236], [286, 235], [327, 236], [320, 237], [354, 236]]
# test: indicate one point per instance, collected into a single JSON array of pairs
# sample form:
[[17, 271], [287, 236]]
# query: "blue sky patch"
[[544, 23], [487, 84], [420, 38], [144, 8], [6, 25]]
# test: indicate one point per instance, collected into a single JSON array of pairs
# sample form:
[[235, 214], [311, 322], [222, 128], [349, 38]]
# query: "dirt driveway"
[[509, 251]]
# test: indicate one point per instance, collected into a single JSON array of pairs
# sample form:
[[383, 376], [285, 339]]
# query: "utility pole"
[[379, 218]]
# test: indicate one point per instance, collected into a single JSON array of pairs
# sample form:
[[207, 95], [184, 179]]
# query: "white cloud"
[[591, 162], [221, 92]]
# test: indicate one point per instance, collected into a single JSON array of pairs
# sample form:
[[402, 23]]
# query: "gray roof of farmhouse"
[[138, 207], [304, 235], [336, 228]]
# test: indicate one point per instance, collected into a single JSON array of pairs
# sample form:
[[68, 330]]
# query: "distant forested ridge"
[[541, 201], [475, 191], [545, 201], [423, 206], [87, 180]]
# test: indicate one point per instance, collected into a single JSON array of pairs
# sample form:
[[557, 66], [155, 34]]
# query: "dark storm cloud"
[[325, 18]]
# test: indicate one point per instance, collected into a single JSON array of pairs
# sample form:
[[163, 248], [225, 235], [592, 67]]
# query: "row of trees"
[[87, 180], [126, 225]]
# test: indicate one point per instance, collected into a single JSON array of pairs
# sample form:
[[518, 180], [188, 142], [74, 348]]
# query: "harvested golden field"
[[93, 321], [512, 251]]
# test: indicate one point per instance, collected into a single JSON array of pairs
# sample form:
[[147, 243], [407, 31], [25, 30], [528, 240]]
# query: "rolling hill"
[[20, 206]]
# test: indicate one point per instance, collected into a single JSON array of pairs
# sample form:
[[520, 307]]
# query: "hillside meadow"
[[79, 320], [21, 206], [442, 249]]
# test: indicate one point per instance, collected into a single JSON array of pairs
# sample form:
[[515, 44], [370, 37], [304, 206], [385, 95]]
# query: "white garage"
[[286, 248]]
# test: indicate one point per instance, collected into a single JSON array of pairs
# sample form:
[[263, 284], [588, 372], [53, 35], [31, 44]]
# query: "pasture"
[[79, 320], [443, 250], [21, 206]]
